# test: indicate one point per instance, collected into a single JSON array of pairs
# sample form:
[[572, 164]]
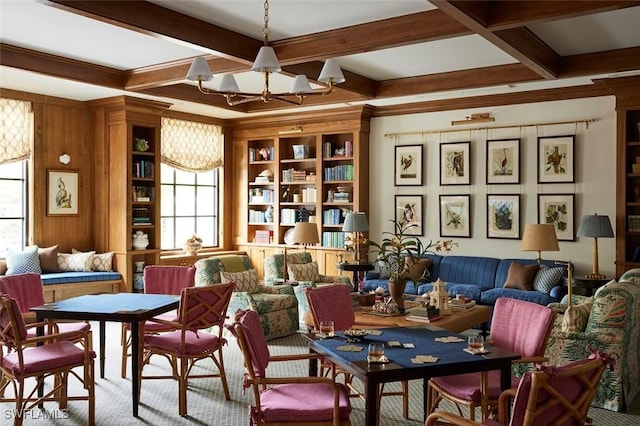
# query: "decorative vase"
[[140, 240], [192, 248], [268, 214], [396, 291], [139, 266]]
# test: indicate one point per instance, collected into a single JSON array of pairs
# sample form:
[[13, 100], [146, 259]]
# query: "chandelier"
[[266, 62]]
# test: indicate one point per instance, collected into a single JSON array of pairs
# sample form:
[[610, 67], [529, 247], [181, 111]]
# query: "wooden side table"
[[586, 286], [358, 271]]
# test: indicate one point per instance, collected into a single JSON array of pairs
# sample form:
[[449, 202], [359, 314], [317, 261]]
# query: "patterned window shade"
[[16, 130], [191, 146]]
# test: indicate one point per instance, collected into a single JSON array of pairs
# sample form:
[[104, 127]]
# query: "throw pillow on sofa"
[[547, 278], [521, 276], [75, 262], [575, 317], [386, 269], [245, 280], [48, 258], [418, 268], [21, 262], [102, 262], [304, 272]]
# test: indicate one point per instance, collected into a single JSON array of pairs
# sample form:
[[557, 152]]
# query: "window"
[[13, 209], [189, 205]]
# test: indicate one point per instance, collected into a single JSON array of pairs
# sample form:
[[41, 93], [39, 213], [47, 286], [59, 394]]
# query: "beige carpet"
[[206, 403]]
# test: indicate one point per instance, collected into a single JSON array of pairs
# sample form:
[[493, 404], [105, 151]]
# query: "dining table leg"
[[103, 334], [372, 400], [135, 365]]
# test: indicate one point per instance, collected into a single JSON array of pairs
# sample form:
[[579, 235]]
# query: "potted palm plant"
[[399, 251]]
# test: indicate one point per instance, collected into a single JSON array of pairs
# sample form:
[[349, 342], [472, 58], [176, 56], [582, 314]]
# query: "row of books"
[[633, 223], [143, 169], [143, 194], [339, 172], [293, 175], [261, 195], [332, 217], [263, 236], [258, 216], [328, 150], [333, 239]]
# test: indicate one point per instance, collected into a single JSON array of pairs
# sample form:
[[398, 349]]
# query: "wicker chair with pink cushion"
[[28, 291], [158, 280], [333, 303], [28, 360], [517, 326], [201, 309], [286, 400], [547, 396]]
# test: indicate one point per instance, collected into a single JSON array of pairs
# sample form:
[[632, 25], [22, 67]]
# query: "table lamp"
[[539, 237], [595, 226], [357, 223], [305, 233]]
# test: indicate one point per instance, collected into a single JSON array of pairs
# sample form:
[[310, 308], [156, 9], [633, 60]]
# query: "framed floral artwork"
[[409, 210], [62, 193], [455, 163], [503, 161], [503, 216], [408, 165], [455, 217], [556, 159], [558, 210]]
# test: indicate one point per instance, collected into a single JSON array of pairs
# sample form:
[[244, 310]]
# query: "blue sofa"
[[479, 278]]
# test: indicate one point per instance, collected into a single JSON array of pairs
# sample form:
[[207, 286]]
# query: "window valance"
[[16, 130], [191, 146]]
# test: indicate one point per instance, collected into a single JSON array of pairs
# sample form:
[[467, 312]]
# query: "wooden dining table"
[[133, 308]]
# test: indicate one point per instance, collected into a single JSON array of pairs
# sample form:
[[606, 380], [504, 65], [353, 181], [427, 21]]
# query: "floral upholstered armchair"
[[608, 322], [277, 306], [302, 269]]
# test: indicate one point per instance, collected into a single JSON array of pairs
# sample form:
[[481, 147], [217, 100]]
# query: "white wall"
[[594, 187]]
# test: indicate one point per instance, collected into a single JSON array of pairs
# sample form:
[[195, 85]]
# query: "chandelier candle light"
[[595, 226], [266, 62]]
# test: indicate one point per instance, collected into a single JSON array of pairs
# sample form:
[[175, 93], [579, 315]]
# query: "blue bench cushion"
[[78, 277]]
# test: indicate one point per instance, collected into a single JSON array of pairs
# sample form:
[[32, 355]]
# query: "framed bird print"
[[62, 193], [409, 212], [408, 165], [455, 163], [555, 159], [503, 161]]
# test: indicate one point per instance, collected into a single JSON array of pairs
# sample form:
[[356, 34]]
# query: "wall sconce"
[[64, 158]]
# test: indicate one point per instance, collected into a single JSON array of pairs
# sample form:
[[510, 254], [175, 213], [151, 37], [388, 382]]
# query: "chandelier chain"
[[265, 31]]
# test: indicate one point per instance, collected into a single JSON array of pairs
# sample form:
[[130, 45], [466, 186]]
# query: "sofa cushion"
[[547, 278], [475, 270], [48, 258], [521, 276], [418, 268], [102, 262], [21, 262], [489, 297], [245, 280], [78, 262], [575, 317], [386, 268], [304, 272]]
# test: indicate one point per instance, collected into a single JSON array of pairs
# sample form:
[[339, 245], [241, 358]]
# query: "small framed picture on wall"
[[558, 210], [62, 193], [503, 161], [455, 216], [408, 165], [503, 216], [409, 212], [455, 163], [556, 159]]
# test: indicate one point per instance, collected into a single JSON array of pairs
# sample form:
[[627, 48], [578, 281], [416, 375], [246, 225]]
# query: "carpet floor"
[[205, 398]]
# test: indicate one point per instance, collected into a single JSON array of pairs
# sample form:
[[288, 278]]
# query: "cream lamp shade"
[[539, 237], [305, 233], [595, 226]]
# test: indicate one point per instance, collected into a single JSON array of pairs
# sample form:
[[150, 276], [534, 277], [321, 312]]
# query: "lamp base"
[[595, 276]]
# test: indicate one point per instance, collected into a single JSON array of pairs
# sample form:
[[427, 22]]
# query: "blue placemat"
[[111, 303], [423, 339]]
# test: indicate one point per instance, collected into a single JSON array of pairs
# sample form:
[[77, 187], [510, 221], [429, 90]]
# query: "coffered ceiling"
[[399, 56]]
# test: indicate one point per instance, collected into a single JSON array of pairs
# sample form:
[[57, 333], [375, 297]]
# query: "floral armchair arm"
[[336, 279], [277, 289]]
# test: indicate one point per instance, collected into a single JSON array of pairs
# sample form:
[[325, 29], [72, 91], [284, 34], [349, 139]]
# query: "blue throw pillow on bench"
[[21, 262]]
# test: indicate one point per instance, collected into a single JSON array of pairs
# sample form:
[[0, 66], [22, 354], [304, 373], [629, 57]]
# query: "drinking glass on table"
[[327, 328], [376, 350], [475, 343]]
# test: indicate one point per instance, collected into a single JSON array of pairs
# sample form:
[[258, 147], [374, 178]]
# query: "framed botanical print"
[[62, 193], [455, 163], [408, 165], [409, 211], [503, 216], [556, 159], [558, 210], [503, 161], [455, 217]]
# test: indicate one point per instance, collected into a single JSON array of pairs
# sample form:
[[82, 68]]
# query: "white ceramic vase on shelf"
[[140, 240]]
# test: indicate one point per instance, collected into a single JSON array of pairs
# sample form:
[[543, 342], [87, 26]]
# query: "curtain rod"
[[553, 123]]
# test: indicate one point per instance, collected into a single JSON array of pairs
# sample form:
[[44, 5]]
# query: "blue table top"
[[422, 338], [112, 303]]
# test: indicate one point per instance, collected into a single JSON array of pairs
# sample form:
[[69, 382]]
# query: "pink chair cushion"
[[168, 279], [283, 403], [64, 327], [332, 303], [25, 288], [45, 358], [195, 344], [520, 326], [256, 341], [467, 386]]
